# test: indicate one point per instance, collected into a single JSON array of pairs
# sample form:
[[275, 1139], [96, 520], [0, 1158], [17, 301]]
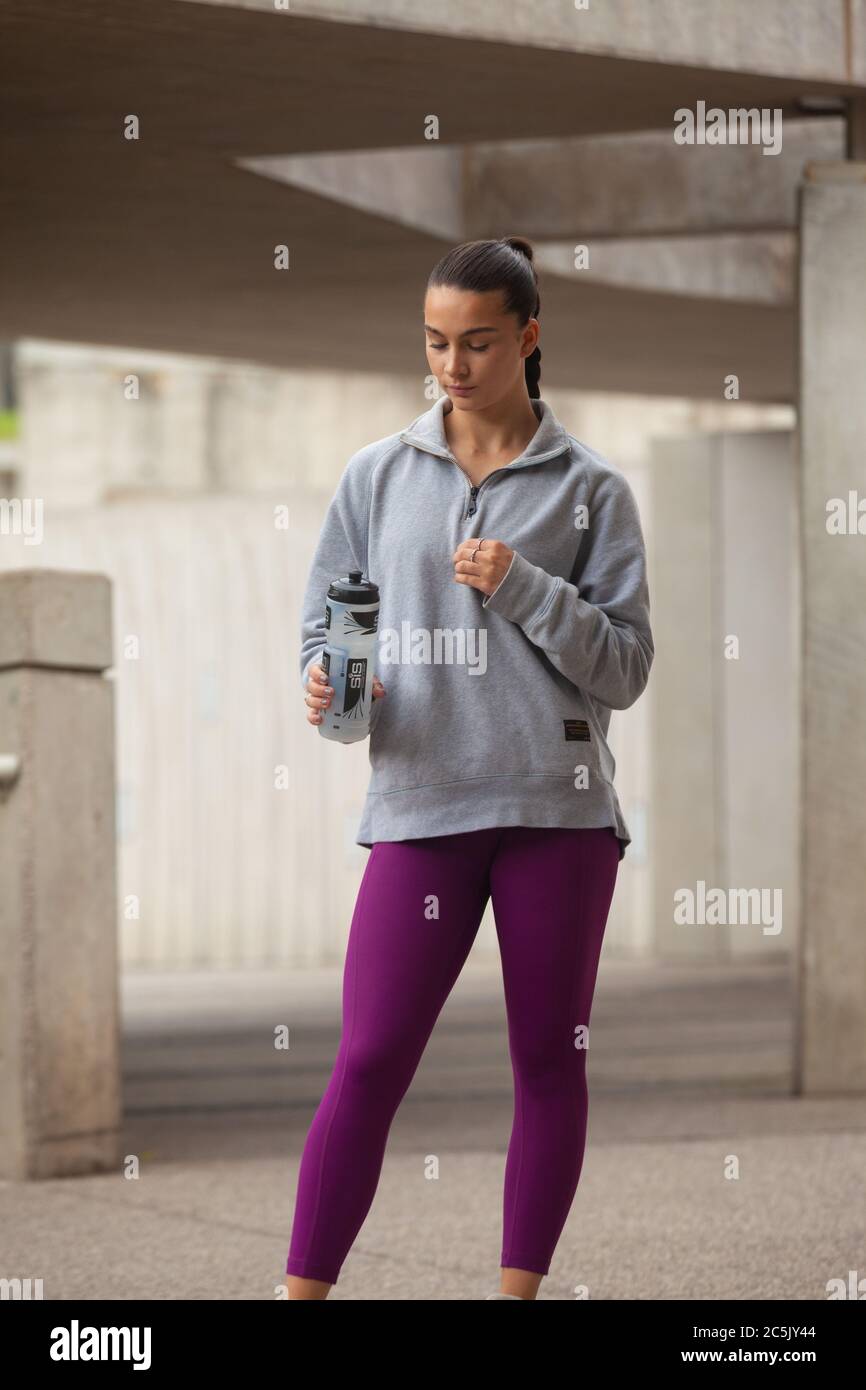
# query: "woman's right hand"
[[319, 693]]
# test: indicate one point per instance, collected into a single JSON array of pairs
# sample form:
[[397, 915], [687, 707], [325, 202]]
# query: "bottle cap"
[[353, 588]]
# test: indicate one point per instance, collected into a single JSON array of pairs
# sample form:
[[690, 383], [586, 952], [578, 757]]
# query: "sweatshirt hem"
[[544, 800]]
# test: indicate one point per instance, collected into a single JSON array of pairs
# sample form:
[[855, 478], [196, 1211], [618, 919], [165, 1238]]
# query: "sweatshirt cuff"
[[523, 592]]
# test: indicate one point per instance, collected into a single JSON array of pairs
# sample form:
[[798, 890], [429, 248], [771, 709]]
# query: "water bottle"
[[351, 625]]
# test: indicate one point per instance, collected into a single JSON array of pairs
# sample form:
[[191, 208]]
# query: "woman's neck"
[[504, 430]]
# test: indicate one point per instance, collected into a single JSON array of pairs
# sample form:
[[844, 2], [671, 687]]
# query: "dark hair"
[[497, 265]]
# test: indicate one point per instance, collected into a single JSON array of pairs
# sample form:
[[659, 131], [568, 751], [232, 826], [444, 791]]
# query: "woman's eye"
[[437, 347]]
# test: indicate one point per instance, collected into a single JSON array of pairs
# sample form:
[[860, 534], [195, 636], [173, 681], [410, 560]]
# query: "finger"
[[317, 701], [480, 584], [317, 687], [464, 550], [481, 554]]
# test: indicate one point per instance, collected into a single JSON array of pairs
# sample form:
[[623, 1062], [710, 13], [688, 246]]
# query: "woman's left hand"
[[488, 569]]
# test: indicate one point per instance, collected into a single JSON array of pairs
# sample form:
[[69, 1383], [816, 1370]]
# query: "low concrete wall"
[[60, 1105]]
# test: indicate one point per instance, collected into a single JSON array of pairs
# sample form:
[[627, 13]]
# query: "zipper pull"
[[473, 493]]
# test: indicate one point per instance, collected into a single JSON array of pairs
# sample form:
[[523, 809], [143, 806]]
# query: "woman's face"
[[472, 343]]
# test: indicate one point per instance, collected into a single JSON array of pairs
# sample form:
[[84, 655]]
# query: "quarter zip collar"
[[427, 432]]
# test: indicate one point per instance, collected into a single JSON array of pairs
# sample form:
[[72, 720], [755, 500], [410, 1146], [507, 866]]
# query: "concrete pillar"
[[831, 1039], [724, 694], [60, 1098]]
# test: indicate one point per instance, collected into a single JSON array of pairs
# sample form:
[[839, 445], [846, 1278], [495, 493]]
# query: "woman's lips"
[[461, 390]]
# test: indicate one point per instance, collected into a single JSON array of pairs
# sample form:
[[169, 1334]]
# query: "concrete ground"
[[689, 1073]]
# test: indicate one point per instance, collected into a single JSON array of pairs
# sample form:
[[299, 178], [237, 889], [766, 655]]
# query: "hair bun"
[[519, 243]]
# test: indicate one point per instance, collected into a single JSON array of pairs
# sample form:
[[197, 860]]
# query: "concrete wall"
[[831, 1041], [725, 764]]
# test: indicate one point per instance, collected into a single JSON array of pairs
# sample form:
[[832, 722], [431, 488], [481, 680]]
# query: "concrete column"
[[60, 1099], [831, 1044], [724, 694]]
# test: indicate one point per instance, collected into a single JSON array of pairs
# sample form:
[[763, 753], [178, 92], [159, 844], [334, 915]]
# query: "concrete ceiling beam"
[[790, 38]]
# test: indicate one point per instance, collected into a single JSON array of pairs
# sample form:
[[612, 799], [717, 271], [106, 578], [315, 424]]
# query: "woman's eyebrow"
[[440, 334]]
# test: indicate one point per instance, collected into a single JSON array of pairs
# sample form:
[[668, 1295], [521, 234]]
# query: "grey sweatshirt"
[[497, 706]]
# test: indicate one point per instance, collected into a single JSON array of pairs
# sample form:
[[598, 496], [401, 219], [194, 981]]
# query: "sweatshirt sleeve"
[[342, 546], [595, 628]]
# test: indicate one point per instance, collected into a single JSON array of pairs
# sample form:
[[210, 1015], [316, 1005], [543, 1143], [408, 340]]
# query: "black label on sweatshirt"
[[576, 730]]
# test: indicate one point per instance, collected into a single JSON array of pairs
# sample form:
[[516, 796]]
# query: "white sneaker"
[[505, 1295]]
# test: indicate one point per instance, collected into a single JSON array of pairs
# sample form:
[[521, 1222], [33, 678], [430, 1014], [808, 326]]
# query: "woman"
[[514, 616]]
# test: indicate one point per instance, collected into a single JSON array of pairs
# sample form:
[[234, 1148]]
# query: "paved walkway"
[[688, 1067]]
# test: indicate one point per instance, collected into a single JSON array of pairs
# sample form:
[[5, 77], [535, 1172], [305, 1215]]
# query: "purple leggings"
[[551, 892]]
